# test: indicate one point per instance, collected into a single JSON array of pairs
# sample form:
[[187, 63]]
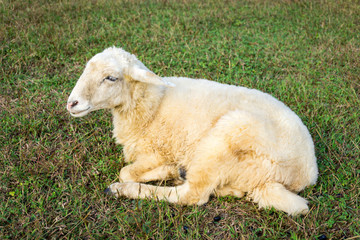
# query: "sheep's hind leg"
[[276, 195], [230, 191]]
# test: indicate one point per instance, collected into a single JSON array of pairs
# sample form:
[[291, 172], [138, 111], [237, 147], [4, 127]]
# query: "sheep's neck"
[[130, 124]]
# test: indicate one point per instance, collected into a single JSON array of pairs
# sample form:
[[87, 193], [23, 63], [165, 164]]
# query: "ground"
[[54, 168]]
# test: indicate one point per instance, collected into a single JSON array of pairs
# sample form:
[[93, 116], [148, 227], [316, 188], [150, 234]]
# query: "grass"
[[53, 168]]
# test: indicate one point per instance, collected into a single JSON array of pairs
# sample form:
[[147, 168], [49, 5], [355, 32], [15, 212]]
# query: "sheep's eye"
[[110, 78]]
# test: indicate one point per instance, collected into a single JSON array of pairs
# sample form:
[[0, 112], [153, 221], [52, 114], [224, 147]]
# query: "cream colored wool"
[[230, 140]]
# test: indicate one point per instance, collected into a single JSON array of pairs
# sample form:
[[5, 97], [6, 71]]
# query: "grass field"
[[54, 168]]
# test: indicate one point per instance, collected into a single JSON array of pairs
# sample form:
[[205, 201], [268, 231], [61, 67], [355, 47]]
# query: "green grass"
[[53, 168]]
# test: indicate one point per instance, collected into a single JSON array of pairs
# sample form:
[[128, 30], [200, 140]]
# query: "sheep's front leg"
[[187, 193], [140, 190], [164, 172], [147, 170], [195, 190]]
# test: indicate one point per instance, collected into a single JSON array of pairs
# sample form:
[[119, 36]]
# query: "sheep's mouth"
[[80, 113]]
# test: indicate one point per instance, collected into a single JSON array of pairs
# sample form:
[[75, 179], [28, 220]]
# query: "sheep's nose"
[[72, 104]]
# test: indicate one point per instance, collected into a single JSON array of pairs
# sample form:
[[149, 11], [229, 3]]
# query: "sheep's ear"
[[147, 76]]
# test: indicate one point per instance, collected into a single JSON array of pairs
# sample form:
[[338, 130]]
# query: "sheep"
[[229, 140]]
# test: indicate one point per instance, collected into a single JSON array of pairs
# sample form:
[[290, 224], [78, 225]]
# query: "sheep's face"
[[100, 86], [106, 80]]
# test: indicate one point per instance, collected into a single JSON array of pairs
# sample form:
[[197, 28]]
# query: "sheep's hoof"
[[114, 189], [108, 191]]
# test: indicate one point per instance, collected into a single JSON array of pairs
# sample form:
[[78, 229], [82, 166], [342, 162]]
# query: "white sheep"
[[229, 140]]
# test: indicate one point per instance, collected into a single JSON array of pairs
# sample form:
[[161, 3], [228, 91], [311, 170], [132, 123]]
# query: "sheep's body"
[[230, 140]]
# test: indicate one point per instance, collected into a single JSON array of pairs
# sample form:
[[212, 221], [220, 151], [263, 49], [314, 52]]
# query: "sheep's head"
[[105, 82]]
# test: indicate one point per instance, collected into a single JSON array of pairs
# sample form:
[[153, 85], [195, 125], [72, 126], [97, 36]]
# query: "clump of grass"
[[53, 168]]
